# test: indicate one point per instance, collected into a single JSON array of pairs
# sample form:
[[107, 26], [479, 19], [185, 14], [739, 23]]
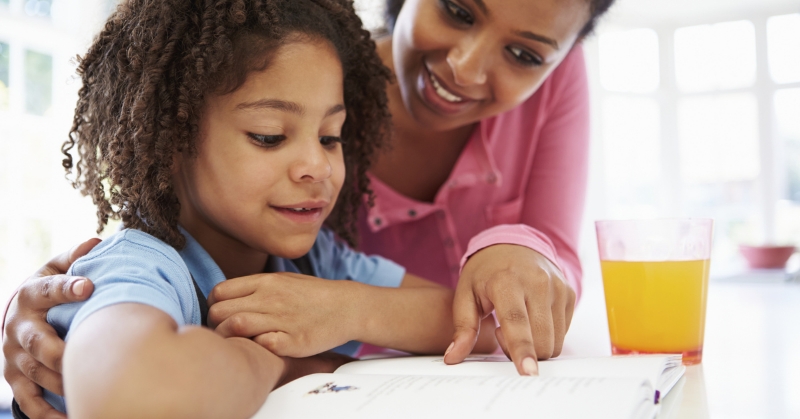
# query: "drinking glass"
[[655, 279]]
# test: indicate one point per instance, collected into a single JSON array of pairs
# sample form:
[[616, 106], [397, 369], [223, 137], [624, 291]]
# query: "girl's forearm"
[[133, 361], [412, 319]]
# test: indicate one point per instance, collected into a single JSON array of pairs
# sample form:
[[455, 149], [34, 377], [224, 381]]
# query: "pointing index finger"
[[512, 314]]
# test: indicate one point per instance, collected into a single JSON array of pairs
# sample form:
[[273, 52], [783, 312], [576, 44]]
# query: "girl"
[[223, 133]]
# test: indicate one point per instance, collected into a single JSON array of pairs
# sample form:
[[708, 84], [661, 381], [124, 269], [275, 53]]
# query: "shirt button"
[[377, 221], [448, 242], [491, 178], [412, 213]]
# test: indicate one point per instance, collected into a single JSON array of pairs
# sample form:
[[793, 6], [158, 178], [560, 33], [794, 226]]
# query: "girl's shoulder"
[[130, 246]]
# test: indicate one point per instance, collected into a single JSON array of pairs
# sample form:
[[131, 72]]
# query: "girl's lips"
[[306, 215], [425, 84]]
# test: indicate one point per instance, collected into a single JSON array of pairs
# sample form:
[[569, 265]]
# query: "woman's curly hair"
[[145, 79]]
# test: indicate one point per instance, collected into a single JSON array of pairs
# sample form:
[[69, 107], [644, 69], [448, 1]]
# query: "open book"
[[481, 387]]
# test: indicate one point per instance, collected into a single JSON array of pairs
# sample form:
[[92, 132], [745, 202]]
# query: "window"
[[38, 83], [783, 47], [631, 142], [629, 61], [718, 137], [715, 57], [39, 8], [787, 113], [692, 126], [4, 70]]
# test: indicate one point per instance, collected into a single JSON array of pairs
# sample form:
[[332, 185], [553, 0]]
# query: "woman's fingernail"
[[529, 366], [449, 348], [77, 286]]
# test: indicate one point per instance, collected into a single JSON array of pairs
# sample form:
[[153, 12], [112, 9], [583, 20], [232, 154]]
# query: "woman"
[[482, 191]]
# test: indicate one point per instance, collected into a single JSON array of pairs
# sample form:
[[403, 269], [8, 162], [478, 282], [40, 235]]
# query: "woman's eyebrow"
[[539, 38], [525, 34], [481, 5]]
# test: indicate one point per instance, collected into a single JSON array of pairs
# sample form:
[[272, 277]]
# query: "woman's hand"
[[289, 314], [529, 296], [32, 348]]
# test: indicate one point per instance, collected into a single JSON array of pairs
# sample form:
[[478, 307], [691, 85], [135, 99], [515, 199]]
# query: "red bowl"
[[766, 257]]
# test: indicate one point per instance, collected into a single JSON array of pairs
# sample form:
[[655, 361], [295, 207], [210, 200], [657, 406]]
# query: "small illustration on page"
[[331, 388]]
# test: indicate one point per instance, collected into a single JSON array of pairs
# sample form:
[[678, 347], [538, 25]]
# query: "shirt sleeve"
[[333, 259], [554, 197], [128, 270]]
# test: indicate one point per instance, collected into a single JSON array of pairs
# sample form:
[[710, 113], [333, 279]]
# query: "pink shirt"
[[521, 179]]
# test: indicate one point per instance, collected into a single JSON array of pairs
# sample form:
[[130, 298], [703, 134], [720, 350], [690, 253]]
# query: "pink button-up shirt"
[[521, 179]]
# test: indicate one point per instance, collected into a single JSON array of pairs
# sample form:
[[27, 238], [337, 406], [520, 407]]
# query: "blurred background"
[[696, 112]]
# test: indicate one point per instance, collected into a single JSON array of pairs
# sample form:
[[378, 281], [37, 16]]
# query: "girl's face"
[[460, 61], [269, 165]]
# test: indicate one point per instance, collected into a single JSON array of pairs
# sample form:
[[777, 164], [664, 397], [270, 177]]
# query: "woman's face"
[[460, 61]]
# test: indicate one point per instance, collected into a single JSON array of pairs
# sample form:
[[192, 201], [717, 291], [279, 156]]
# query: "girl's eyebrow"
[[284, 106], [280, 105]]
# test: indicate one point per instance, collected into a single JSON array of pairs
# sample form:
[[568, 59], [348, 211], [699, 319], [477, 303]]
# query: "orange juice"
[[656, 306]]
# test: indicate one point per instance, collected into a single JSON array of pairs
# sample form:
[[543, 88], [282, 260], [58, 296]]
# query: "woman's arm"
[[520, 271], [144, 365], [297, 315], [32, 348]]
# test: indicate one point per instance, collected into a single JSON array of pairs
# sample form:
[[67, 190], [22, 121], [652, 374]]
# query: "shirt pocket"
[[505, 213]]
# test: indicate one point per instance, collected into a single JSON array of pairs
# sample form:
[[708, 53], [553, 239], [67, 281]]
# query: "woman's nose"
[[311, 163], [468, 60]]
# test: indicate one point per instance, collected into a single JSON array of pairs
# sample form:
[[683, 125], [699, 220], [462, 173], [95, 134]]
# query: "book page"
[[345, 396], [643, 367]]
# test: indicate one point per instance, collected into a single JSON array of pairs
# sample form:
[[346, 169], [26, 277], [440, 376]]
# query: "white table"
[[751, 358]]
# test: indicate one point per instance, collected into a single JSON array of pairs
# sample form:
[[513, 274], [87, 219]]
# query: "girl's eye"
[[524, 57], [267, 140], [457, 12], [329, 140]]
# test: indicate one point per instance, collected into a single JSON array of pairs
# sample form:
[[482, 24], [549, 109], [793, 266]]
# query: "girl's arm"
[[416, 318], [133, 361], [297, 315]]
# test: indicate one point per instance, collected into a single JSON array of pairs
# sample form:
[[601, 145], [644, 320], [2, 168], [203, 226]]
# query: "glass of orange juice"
[[655, 277]]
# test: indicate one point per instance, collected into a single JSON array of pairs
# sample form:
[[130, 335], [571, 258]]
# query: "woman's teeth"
[[444, 94], [299, 209]]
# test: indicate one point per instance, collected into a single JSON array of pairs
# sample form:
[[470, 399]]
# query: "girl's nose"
[[311, 163], [468, 60]]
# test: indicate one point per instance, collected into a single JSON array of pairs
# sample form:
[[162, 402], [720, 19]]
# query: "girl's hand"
[[529, 296], [326, 362], [32, 348], [289, 314]]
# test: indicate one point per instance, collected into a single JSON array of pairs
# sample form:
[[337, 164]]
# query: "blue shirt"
[[134, 267]]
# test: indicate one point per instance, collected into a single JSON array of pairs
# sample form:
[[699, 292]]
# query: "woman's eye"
[[524, 57], [329, 140], [267, 140], [457, 12]]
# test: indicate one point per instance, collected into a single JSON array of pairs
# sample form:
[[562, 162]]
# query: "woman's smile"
[[439, 96]]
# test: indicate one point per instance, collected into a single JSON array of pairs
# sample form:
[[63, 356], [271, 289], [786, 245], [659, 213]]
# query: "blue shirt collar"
[[204, 270]]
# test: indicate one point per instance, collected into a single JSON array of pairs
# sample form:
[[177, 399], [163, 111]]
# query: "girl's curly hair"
[[147, 74]]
